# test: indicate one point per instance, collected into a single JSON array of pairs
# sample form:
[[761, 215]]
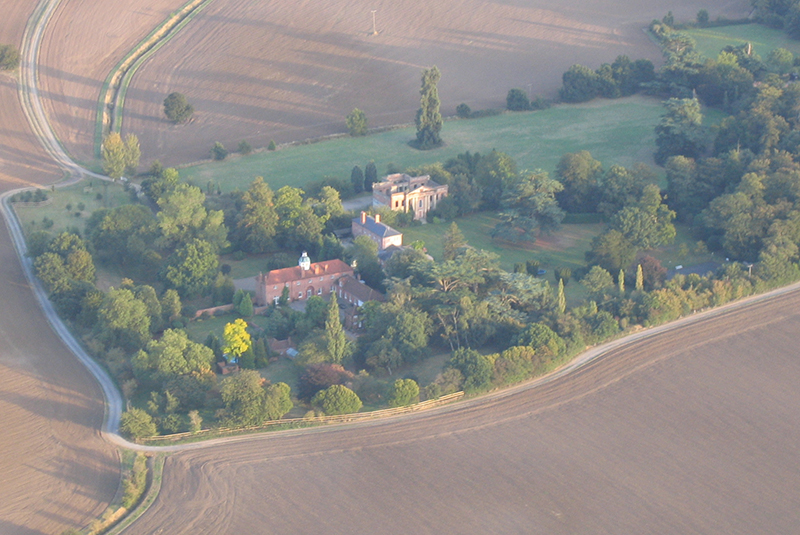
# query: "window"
[[319, 291], [320, 279], [275, 299], [299, 294], [298, 283], [274, 287]]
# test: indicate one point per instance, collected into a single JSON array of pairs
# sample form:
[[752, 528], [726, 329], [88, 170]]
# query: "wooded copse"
[[739, 194]]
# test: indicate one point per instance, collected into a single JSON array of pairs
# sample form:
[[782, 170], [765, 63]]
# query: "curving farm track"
[[58, 472]]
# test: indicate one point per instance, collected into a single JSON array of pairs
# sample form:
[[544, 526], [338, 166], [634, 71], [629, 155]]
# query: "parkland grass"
[[614, 131], [711, 41], [564, 248]]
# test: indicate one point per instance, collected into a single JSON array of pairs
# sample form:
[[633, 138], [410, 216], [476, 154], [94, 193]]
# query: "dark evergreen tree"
[[429, 120]]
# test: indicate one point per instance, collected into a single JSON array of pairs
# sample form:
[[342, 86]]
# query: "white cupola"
[[305, 262]]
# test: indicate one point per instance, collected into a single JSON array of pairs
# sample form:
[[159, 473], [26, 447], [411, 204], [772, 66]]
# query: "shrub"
[[463, 111], [137, 424], [9, 57], [403, 392], [177, 108], [517, 100], [337, 399], [218, 151], [562, 273], [357, 122], [245, 147], [539, 103], [271, 145]]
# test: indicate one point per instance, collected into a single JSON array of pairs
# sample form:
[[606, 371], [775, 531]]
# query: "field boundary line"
[[111, 102], [155, 475], [311, 421]]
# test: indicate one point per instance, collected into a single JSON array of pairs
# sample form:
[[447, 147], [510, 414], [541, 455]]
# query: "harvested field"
[[23, 162], [691, 431], [266, 70], [58, 473], [83, 42]]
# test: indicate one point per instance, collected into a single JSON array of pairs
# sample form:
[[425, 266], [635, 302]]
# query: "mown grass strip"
[[156, 474], [115, 86]]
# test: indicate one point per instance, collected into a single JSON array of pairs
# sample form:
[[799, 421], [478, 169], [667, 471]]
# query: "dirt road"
[[692, 431]]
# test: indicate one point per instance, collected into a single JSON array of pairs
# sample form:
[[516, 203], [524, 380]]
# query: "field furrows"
[[692, 430]]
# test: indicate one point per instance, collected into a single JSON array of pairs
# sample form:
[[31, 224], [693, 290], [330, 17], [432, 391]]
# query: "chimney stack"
[[363, 217], [377, 218]]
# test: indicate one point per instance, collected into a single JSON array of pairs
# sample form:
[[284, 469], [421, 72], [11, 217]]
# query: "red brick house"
[[304, 280], [352, 294]]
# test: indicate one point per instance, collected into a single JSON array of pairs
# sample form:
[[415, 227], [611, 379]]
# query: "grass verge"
[[156, 469]]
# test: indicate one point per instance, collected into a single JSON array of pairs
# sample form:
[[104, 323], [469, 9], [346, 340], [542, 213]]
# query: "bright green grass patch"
[[282, 371], [710, 41], [614, 131], [563, 248], [249, 266], [85, 192]]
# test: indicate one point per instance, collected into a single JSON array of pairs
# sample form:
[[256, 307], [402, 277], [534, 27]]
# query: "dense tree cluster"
[[619, 79]]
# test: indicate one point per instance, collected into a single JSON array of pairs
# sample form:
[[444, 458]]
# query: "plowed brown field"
[[22, 160], [282, 70], [692, 431], [83, 42], [57, 472]]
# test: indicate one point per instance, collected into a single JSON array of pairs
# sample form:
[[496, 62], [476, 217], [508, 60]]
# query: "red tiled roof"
[[317, 269]]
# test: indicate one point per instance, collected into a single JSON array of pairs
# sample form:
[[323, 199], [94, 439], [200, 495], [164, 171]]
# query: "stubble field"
[[692, 431], [266, 70], [58, 473], [83, 42]]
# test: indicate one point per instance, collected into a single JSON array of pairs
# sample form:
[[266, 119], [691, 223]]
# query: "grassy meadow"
[[85, 192], [710, 41], [563, 248], [614, 131]]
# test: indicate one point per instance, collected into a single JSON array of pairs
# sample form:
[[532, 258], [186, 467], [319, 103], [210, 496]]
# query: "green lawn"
[[710, 41], [85, 192], [614, 131], [564, 248]]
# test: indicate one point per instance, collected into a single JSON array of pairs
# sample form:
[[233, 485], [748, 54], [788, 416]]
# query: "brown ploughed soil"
[[57, 472], [23, 162], [692, 431], [83, 42], [288, 71]]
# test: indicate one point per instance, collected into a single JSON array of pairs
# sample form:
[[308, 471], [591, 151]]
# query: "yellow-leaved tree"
[[236, 340]]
